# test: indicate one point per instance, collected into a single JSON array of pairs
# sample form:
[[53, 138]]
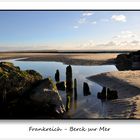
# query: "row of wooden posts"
[[69, 81], [106, 93]]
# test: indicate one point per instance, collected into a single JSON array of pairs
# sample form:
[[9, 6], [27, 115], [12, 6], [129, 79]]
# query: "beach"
[[66, 58], [127, 84]]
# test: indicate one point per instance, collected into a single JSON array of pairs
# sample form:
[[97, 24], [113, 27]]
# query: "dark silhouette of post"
[[75, 94], [57, 76], [86, 89], [102, 94], [75, 89], [69, 88], [107, 94], [69, 82], [112, 94]]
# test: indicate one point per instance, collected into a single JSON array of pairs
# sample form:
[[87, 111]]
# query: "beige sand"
[[127, 83], [67, 58]]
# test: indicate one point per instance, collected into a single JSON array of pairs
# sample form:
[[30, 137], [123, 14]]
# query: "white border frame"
[[120, 129]]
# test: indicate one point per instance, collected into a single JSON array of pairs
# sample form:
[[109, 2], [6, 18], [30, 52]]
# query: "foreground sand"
[[127, 83], [67, 58]]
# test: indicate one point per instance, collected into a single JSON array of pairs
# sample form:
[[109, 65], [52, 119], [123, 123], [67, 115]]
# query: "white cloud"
[[82, 20], [123, 43], [92, 45], [128, 34], [125, 36], [75, 27], [119, 18], [124, 40], [110, 45], [86, 19], [89, 43], [87, 14], [94, 22], [135, 42]]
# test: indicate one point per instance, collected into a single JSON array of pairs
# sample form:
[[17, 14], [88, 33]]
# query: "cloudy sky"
[[69, 30]]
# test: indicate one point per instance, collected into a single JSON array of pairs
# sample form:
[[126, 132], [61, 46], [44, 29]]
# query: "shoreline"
[[71, 59], [127, 84]]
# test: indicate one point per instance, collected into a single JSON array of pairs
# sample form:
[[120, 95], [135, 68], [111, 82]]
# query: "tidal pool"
[[79, 105]]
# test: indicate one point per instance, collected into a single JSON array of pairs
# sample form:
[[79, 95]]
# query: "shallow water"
[[80, 106]]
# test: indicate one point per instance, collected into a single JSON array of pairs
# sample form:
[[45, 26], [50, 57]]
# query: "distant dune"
[[69, 51]]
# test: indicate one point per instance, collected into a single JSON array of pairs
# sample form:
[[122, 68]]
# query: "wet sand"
[[67, 58], [127, 83]]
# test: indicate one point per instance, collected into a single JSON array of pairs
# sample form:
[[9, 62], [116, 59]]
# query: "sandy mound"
[[127, 83]]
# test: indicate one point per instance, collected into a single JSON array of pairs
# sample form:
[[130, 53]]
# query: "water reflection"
[[69, 100], [71, 97]]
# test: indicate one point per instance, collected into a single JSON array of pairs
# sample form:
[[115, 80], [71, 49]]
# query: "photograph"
[[70, 64]]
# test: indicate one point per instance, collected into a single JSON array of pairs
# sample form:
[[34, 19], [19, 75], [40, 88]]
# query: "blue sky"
[[69, 30]]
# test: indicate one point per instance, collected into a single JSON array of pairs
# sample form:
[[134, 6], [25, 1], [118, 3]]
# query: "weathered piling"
[[102, 94], [69, 82], [57, 76], [61, 85], [112, 94], [86, 89], [75, 89], [107, 94]]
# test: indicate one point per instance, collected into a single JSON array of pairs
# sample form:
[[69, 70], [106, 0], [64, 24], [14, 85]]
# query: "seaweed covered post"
[[57, 76], [69, 100], [69, 86]]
